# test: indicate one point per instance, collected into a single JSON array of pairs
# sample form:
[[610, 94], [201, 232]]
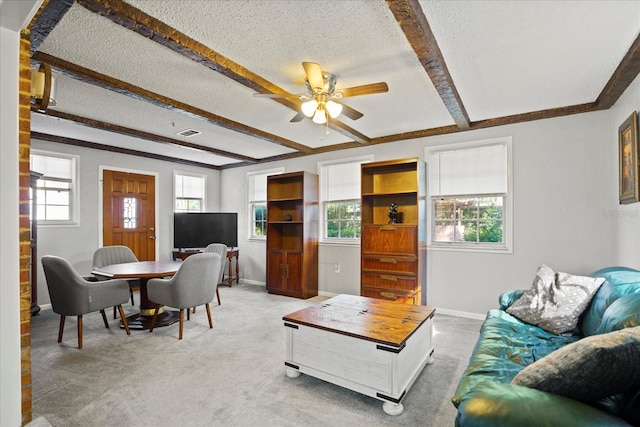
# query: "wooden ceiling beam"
[[96, 146], [45, 20], [134, 133], [146, 25], [622, 77], [89, 76], [416, 29]]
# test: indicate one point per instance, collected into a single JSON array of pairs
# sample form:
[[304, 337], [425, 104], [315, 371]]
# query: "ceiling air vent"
[[189, 132]]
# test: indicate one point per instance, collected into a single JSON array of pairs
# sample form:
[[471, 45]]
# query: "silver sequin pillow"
[[555, 301]]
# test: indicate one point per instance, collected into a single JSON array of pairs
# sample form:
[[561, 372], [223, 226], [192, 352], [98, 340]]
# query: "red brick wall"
[[24, 141]]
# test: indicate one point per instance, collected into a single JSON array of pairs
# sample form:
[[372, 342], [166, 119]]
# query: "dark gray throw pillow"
[[589, 369]]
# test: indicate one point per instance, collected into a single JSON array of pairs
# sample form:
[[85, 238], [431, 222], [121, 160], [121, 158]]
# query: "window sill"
[[336, 242], [470, 248]]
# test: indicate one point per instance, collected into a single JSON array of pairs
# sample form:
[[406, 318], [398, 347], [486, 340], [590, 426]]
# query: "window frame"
[[74, 189], [176, 173], [253, 203], [507, 214], [324, 202]]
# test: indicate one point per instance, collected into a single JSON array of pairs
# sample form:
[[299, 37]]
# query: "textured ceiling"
[[504, 58]]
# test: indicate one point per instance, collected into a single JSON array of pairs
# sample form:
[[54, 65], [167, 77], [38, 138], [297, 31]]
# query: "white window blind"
[[466, 171], [189, 186], [53, 167], [340, 181], [258, 184]]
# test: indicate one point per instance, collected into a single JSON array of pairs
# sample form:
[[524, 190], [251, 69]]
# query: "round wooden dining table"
[[143, 270]]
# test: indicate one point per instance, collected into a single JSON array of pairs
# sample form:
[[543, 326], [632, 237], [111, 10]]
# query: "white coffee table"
[[374, 347]]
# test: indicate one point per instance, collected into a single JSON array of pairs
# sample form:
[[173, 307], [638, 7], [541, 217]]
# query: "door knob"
[[152, 237]]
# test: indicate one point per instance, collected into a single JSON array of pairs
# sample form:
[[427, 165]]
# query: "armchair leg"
[[61, 328], [154, 318], [189, 315], [209, 316], [181, 321], [114, 311], [218, 295], [80, 332], [124, 320], [104, 319]]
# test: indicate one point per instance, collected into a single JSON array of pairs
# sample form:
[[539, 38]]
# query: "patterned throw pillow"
[[555, 301], [590, 369]]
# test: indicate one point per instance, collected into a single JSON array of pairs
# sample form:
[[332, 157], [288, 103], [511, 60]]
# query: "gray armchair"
[[220, 249], [194, 284], [108, 255], [71, 295]]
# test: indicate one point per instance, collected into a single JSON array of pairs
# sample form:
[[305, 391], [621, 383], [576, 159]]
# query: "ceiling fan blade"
[[350, 112], [298, 117], [276, 95], [314, 74], [369, 89]]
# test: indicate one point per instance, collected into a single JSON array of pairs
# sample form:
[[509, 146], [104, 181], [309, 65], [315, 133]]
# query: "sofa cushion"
[[492, 405], [619, 282], [622, 313], [505, 346], [589, 369], [555, 301]]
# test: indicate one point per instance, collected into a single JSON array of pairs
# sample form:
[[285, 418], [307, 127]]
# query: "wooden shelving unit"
[[393, 254], [292, 234]]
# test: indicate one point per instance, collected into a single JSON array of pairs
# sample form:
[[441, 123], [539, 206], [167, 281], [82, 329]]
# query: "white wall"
[[562, 180], [624, 220], [77, 243], [10, 397], [13, 17]]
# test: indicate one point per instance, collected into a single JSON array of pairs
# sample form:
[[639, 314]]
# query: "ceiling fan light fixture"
[[320, 117], [333, 108], [309, 107]]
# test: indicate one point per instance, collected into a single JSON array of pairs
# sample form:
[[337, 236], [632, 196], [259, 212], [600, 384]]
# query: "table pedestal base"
[[139, 322]]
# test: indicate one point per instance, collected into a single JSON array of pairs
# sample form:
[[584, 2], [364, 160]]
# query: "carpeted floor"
[[231, 375]]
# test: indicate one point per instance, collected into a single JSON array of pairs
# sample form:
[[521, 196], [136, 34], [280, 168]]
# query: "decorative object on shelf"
[[42, 88], [288, 217], [628, 159], [394, 215]]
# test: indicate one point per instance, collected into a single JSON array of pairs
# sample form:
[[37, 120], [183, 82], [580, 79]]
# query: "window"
[[469, 189], [57, 191], [257, 195], [190, 192], [340, 199]]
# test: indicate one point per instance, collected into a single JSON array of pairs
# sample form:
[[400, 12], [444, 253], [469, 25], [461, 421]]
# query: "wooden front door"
[[128, 212]]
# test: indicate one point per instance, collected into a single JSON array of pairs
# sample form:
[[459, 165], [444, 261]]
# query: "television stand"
[[184, 253], [232, 253]]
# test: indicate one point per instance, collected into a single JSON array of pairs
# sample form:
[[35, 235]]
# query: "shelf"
[[392, 266]]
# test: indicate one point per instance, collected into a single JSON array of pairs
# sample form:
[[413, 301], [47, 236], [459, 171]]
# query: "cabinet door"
[[293, 272], [390, 239], [275, 268]]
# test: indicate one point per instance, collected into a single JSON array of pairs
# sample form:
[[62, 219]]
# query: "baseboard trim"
[[457, 313]]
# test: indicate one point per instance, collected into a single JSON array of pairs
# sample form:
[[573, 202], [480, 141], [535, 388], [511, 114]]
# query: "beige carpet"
[[230, 375]]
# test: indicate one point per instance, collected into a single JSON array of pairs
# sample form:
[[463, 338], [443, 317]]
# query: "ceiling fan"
[[321, 100]]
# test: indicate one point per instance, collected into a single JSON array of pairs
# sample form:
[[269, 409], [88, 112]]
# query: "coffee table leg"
[[392, 408], [292, 373]]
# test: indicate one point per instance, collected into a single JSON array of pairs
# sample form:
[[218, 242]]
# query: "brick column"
[[24, 141]]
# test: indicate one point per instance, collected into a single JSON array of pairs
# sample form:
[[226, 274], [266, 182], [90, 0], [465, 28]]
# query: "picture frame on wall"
[[628, 160]]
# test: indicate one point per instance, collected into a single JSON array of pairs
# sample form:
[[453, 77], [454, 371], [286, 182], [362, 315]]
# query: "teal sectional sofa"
[[488, 395]]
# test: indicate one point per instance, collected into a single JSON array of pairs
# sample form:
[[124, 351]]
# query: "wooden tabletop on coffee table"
[[370, 319]]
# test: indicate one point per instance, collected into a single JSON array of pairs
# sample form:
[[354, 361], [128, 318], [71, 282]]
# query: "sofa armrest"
[[508, 298], [507, 405]]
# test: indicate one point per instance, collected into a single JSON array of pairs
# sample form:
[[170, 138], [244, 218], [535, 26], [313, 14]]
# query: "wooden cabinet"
[[292, 234], [393, 255]]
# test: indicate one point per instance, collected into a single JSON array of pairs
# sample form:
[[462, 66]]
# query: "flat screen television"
[[197, 230]]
